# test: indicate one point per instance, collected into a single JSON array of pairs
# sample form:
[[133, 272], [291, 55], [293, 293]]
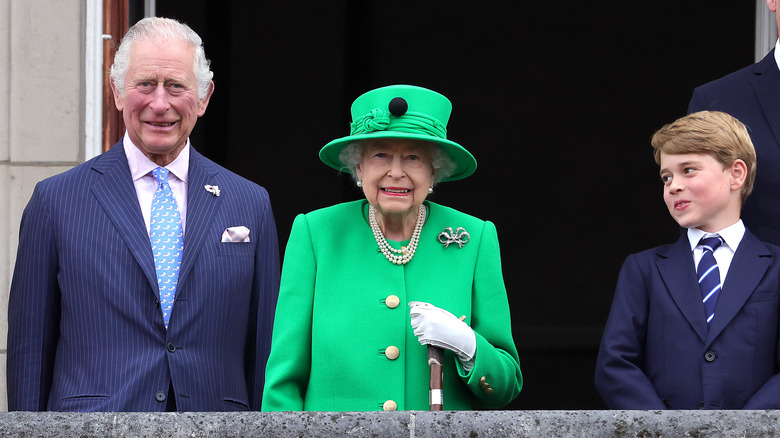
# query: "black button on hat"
[[398, 106]]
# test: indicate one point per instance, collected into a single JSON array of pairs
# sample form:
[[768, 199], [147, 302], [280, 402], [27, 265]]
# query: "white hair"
[[443, 165], [161, 29]]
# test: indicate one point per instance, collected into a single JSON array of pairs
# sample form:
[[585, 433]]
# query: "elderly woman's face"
[[396, 174]]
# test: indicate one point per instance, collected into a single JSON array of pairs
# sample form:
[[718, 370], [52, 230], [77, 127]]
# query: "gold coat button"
[[392, 301], [392, 352], [485, 385], [389, 406]]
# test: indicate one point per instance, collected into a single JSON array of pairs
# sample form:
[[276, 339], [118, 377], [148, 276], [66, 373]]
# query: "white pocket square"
[[236, 234]]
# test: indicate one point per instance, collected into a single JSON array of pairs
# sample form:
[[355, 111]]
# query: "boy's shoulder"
[[662, 251], [751, 243], [773, 249], [749, 239]]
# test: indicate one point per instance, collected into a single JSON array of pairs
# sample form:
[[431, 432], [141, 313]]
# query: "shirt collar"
[[777, 53], [140, 165], [732, 235]]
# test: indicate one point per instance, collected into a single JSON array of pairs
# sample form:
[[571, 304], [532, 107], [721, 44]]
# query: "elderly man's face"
[[160, 104]]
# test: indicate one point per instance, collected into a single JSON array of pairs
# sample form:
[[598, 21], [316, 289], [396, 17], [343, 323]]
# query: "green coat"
[[334, 321]]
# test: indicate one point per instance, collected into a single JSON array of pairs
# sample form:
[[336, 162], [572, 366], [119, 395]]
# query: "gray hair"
[[443, 165], [161, 29]]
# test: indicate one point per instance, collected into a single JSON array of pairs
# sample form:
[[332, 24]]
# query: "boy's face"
[[700, 193]]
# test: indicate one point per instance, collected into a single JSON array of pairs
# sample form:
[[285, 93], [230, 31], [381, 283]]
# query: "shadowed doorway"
[[557, 105]]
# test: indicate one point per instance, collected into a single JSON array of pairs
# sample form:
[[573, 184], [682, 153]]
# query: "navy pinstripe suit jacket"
[[85, 328]]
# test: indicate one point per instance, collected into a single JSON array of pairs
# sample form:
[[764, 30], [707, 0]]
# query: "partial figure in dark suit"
[[694, 324], [752, 95], [124, 296]]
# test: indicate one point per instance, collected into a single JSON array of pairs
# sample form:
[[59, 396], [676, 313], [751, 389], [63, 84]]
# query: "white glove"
[[438, 327]]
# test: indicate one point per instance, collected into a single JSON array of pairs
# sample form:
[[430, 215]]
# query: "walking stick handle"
[[436, 387], [436, 395]]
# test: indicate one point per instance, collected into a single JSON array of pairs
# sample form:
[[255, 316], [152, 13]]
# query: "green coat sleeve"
[[496, 358], [288, 369]]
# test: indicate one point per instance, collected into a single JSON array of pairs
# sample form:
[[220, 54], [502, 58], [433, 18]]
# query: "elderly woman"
[[342, 340]]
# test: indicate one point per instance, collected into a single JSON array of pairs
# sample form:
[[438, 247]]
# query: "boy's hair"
[[713, 133]]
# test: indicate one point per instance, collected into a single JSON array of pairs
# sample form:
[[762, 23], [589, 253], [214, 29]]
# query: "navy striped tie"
[[709, 275]]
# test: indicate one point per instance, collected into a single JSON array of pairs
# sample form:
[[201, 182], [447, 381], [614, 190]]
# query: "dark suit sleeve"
[[768, 396], [620, 377], [33, 310], [265, 292], [698, 101]]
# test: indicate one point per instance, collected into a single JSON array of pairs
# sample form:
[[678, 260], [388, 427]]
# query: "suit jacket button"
[[160, 396], [389, 406], [709, 356], [171, 347], [392, 301], [392, 352]]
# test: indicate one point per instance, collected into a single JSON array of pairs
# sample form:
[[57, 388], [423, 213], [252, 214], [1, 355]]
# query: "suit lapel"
[[202, 207], [766, 76], [115, 192], [748, 267], [678, 272]]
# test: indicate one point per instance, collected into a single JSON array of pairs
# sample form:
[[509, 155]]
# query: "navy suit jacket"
[[85, 328], [657, 351], [752, 95]]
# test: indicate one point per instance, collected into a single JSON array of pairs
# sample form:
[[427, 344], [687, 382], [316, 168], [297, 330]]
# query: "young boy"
[[692, 325]]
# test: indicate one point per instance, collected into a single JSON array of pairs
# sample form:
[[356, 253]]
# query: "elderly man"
[[146, 278]]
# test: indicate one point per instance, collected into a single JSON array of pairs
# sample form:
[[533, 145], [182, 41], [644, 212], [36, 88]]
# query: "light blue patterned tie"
[[709, 275], [167, 239]]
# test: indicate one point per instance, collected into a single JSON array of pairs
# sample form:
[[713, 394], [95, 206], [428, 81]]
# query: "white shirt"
[[731, 235], [777, 52], [141, 168]]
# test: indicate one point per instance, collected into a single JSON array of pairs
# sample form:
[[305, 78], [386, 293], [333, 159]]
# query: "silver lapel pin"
[[459, 236], [214, 190]]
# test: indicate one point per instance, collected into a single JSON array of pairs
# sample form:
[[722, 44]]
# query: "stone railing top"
[[411, 424]]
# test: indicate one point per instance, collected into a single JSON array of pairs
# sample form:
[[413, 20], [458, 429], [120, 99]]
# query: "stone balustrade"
[[412, 424]]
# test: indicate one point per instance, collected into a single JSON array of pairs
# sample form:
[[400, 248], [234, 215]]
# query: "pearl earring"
[[430, 190], [360, 183]]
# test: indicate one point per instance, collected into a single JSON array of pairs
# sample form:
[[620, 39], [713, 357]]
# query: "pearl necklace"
[[392, 254]]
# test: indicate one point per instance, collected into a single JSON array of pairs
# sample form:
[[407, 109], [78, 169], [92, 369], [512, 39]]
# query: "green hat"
[[402, 111]]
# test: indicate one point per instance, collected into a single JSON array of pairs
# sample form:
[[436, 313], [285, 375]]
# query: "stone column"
[[766, 30], [41, 116]]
